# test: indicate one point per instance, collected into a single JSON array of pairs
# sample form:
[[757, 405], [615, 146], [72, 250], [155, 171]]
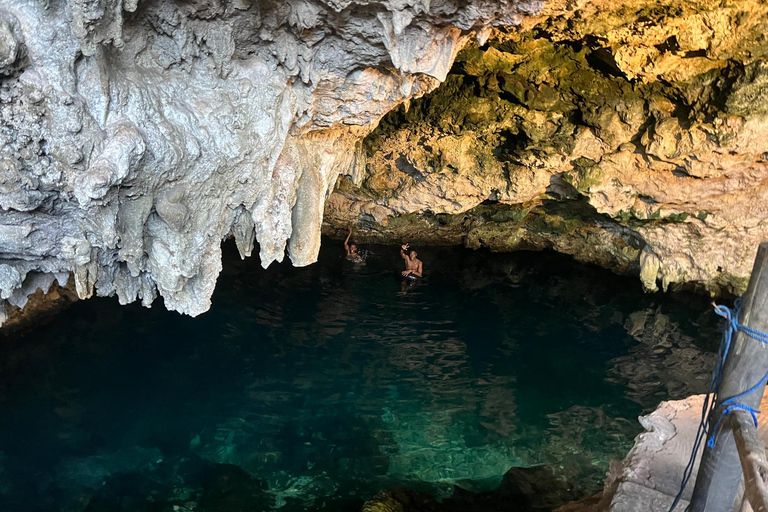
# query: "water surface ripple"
[[314, 388]]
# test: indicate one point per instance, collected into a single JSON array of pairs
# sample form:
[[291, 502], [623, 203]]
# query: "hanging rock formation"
[[136, 136], [630, 134]]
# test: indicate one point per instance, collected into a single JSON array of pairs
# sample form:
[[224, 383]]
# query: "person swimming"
[[413, 265], [352, 253]]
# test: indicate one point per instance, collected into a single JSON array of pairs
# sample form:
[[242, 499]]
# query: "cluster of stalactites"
[[136, 137]]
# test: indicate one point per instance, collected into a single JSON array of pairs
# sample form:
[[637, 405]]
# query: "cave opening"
[[548, 168]]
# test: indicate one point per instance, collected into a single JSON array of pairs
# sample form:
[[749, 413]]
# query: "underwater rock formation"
[[138, 135], [533, 489], [629, 134], [647, 480]]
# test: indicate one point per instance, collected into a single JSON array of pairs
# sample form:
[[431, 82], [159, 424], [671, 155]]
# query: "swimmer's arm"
[[417, 272], [402, 251], [346, 242]]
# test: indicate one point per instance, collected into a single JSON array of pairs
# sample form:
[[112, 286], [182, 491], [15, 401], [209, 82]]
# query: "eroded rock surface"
[[648, 479], [629, 134], [138, 135], [45, 301]]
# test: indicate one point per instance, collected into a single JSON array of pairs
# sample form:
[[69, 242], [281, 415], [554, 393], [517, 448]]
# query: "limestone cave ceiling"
[[628, 134], [136, 136]]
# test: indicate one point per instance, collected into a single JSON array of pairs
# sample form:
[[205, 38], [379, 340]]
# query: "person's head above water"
[[413, 265], [351, 248]]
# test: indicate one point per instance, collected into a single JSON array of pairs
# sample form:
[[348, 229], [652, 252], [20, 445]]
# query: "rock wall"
[[630, 134], [138, 135]]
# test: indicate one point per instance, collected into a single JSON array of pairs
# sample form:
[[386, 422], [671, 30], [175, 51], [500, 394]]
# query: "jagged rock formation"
[[40, 304], [630, 134], [138, 135], [648, 479]]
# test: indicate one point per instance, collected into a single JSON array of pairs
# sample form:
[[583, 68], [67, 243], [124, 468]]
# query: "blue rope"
[[728, 410], [712, 399]]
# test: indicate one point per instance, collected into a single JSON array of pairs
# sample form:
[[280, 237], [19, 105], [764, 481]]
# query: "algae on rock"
[[653, 115]]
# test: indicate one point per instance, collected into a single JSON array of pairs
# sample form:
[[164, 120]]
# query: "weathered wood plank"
[[753, 460]]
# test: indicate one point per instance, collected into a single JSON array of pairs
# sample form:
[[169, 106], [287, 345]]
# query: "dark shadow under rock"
[[40, 307], [177, 485], [534, 489]]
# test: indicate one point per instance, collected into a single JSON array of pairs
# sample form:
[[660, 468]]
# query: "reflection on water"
[[316, 387]]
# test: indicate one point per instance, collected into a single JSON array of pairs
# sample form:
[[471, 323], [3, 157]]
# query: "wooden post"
[[753, 462], [717, 482]]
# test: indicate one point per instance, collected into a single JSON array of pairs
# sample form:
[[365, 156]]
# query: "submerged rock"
[[534, 489], [431, 449], [175, 484], [94, 470], [647, 480], [401, 500]]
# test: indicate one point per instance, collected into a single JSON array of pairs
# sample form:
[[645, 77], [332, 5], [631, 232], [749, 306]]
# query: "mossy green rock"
[[653, 114]]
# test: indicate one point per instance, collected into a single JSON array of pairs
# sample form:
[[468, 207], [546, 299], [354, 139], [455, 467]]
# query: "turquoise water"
[[313, 388]]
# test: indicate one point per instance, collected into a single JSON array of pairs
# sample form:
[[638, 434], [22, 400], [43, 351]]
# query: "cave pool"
[[313, 388]]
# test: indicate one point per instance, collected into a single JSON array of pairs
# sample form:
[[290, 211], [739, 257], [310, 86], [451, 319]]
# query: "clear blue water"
[[313, 388]]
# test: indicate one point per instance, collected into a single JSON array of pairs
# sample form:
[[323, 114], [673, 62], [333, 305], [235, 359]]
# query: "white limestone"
[[136, 136]]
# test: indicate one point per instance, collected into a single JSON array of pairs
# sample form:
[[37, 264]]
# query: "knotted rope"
[[712, 400]]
